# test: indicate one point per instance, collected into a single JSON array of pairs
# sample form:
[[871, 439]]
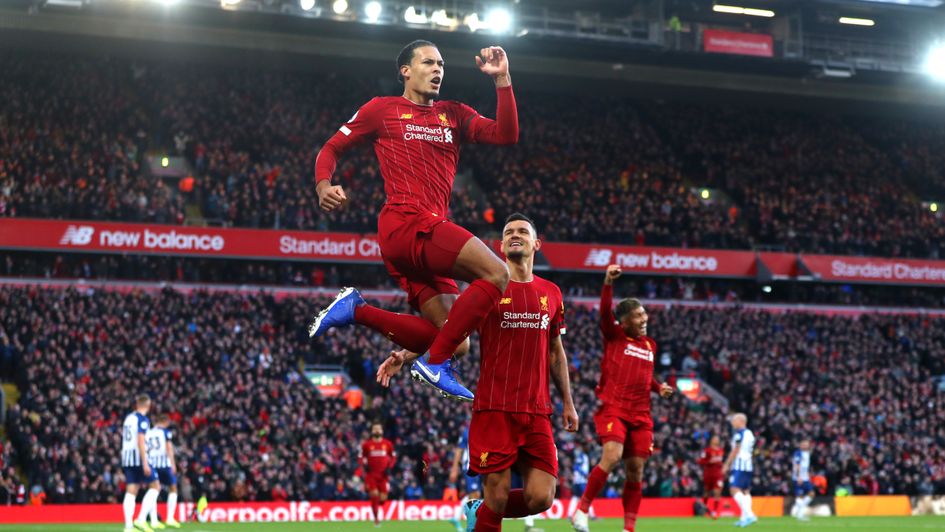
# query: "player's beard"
[[517, 255]]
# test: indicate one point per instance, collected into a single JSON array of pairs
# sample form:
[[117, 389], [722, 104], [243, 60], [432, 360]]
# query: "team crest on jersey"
[[610, 426], [544, 303], [505, 301], [406, 116], [443, 120], [484, 459]]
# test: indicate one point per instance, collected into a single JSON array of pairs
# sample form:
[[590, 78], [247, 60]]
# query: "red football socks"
[[375, 508], [595, 482], [632, 496], [515, 507], [467, 314], [487, 520], [406, 330]]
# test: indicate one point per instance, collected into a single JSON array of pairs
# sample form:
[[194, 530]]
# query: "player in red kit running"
[[377, 457], [417, 139], [623, 422], [712, 479], [511, 425]]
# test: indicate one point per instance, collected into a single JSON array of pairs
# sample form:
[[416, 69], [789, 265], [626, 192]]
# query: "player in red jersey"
[[712, 479], [623, 421], [417, 140], [511, 424], [377, 457]]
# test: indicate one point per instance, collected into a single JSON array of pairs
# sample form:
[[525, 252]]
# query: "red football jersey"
[[711, 461], [626, 377], [514, 347], [377, 456], [418, 145]]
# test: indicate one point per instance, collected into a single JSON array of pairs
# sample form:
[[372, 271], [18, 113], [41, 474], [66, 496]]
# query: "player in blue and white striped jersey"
[[739, 463], [800, 473], [161, 457], [461, 465], [134, 462]]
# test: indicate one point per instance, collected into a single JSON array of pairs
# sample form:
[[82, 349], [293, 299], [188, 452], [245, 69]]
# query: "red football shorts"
[[712, 482], [498, 440], [419, 250], [634, 431], [374, 482]]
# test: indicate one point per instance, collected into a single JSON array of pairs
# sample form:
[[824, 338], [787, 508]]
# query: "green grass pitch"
[[771, 524]]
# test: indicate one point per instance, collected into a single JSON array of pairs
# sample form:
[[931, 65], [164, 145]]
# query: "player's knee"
[[609, 460], [635, 470], [497, 499], [539, 502]]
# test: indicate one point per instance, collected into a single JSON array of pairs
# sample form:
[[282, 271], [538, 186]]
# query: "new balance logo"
[[77, 235], [598, 257], [505, 301]]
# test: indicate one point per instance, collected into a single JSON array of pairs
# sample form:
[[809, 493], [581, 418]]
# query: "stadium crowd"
[[255, 429], [77, 130]]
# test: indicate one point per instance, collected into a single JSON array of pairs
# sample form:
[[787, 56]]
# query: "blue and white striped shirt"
[[156, 440], [745, 438], [582, 467], [134, 424], [802, 460]]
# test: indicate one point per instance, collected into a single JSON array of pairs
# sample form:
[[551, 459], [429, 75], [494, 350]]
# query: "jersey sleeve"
[[143, 425], [360, 128], [503, 130], [558, 325], [608, 323], [797, 457], [737, 438]]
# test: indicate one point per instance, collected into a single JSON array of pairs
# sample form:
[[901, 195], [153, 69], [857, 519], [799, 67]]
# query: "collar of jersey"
[[418, 104]]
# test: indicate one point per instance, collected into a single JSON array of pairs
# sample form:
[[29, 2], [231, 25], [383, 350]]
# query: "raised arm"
[[608, 323], [504, 129]]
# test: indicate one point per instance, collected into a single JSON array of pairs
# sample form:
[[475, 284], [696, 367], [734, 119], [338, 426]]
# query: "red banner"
[[730, 42], [261, 512], [638, 259], [181, 240], [275, 244], [875, 270]]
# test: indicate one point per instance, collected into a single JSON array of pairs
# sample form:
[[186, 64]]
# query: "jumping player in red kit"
[[377, 457], [623, 422], [712, 479], [417, 141], [511, 424]]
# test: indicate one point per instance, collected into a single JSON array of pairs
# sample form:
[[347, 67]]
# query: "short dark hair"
[[162, 418], [517, 216], [626, 306], [406, 55]]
